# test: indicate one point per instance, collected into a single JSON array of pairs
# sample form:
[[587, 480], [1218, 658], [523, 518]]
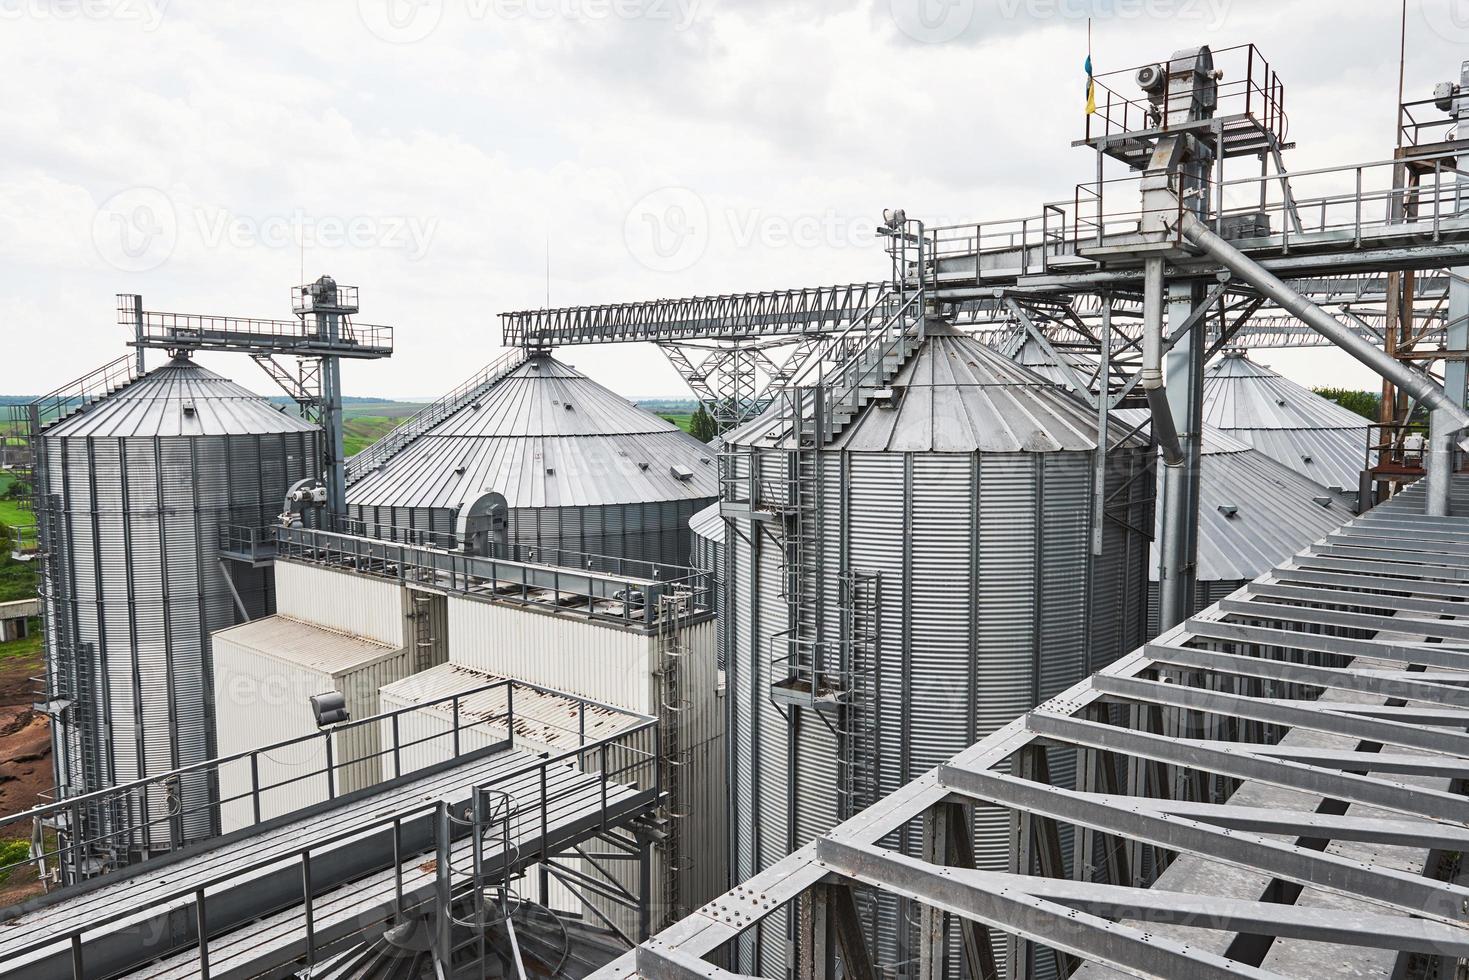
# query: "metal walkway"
[[300, 886], [1271, 789]]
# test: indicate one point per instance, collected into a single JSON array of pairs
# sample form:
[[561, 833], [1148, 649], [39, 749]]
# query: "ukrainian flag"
[[1091, 88]]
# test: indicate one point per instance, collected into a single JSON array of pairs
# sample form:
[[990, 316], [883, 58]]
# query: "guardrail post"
[[510, 713], [545, 815], [397, 749], [201, 924], [306, 900], [331, 776], [454, 708], [255, 784]]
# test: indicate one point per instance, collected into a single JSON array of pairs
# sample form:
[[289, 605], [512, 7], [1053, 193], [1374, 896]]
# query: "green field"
[[362, 431], [12, 514], [25, 653], [682, 421]]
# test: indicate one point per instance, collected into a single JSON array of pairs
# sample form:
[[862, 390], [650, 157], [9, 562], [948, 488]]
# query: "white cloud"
[[793, 124]]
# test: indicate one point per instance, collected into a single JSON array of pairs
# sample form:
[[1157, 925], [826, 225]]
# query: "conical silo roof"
[[708, 524], [1294, 426], [1253, 511], [544, 436], [178, 399], [956, 395], [1039, 360]]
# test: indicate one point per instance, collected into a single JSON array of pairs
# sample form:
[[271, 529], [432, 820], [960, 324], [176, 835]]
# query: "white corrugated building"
[[334, 631], [614, 663]]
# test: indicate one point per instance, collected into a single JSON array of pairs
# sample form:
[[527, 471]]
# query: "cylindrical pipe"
[[1165, 433], [1448, 416], [1441, 429], [1404, 376]]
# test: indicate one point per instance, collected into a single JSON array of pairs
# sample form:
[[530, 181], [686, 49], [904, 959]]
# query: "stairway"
[[806, 669], [390, 445]]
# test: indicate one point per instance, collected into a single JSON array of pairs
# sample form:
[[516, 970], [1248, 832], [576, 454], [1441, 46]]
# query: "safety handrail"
[[432, 414]]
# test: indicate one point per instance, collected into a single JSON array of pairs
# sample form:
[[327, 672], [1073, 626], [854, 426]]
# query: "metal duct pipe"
[[1165, 433], [1441, 429], [1447, 416]]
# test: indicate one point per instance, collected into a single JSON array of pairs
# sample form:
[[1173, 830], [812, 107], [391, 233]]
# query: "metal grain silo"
[[1253, 514], [579, 469], [957, 513], [137, 489], [1313, 436], [707, 553]]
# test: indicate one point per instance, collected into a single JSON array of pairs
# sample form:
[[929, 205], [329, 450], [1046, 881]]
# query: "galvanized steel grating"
[[1273, 788]]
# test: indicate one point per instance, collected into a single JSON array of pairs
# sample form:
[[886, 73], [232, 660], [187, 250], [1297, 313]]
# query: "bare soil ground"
[[25, 751]]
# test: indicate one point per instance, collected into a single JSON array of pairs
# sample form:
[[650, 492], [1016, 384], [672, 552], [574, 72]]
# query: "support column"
[[1184, 384]]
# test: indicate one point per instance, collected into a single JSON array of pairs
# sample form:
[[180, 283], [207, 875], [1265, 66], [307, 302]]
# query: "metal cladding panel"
[[990, 602], [1312, 435], [1332, 458], [927, 669], [262, 700], [139, 526], [1007, 627], [545, 436], [178, 400], [363, 605], [707, 552], [1065, 560], [560, 652]]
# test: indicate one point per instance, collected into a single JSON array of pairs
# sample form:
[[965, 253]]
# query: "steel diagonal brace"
[[1159, 906], [1293, 715], [1412, 894], [1059, 926], [1298, 673]]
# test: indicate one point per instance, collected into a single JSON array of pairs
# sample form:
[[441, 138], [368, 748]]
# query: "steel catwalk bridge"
[[1274, 788], [290, 892]]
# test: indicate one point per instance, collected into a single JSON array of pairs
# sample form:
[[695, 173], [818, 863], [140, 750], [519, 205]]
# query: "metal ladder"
[[805, 670], [674, 756], [859, 741], [423, 631]]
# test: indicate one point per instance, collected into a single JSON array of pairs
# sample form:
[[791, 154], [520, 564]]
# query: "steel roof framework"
[[1341, 676]]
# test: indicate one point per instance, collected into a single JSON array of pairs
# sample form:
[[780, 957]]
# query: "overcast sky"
[[429, 150]]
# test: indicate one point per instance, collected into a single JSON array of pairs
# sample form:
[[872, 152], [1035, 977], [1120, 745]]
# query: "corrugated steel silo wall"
[[1206, 593], [140, 520], [708, 554], [990, 602], [655, 531]]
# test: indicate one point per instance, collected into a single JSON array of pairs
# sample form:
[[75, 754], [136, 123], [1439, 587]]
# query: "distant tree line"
[[1365, 403]]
